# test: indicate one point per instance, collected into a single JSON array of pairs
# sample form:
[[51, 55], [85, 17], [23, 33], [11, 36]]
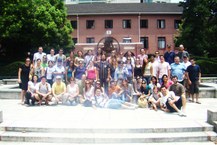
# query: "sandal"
[[198, 102]]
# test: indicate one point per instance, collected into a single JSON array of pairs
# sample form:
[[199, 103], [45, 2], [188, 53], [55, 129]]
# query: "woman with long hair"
[[70, 71], [91, 71], [166, 81], [23, 78], [79, 58]]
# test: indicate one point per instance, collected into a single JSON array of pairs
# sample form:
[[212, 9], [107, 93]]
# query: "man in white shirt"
[[60, 55], [38, 55], [169, 102], [51, 56], [59, 69]]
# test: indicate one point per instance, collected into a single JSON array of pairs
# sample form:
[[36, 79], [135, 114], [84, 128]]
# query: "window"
[[90, 24], [161, 42], [126, 24], [75, 40], [176, 23], [109, 24], [74, 24], [127, 40], [143, 23], [90, 40], [144, 40], [161, 24]]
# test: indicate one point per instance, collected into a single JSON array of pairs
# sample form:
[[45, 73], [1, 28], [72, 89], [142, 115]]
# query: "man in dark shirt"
[[179, 90], [169, 55], [104, 73], [194, 76]]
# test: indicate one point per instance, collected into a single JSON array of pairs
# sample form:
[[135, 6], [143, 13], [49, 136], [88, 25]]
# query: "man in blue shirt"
[[169, 55], [178, 69]]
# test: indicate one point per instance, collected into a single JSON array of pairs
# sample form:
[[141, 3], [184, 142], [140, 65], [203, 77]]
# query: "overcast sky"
[[175, 1]]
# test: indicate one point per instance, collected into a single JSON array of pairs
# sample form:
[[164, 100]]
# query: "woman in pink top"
[[166, 82], [91, 71]]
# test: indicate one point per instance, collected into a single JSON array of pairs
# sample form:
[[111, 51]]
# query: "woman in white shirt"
[[31, 92], [72, 93]]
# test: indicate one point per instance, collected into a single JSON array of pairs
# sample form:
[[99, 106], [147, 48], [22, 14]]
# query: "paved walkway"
[[78, 116]]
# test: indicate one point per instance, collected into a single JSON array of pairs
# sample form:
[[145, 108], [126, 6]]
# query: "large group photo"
[[115, 80]]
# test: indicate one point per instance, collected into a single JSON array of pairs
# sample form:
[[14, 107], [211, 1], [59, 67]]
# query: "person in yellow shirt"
[[58, 91]]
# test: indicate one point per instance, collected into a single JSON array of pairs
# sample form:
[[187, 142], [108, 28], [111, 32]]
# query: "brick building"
[[133, 25]]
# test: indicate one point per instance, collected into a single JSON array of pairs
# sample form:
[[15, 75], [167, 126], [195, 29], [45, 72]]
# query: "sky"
[[175, 1]]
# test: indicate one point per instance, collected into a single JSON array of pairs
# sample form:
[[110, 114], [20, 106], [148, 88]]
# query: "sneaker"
[[182, 114]]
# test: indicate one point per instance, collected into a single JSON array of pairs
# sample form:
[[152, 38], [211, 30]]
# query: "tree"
[[198, 32], [27, 24]]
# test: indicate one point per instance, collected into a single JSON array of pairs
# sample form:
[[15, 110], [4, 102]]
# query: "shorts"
[[178, 104], [194, 87]]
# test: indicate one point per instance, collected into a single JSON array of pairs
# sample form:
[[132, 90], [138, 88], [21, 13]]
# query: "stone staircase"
[[105, 136]]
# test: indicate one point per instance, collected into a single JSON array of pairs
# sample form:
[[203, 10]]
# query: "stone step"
[[99, 138], [173, 143], [205, 127]]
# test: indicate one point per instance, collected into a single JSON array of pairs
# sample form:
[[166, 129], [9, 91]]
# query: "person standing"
[[59, 56], [169, 55], [178, 69], [104, 73], [182, 53], [51, 56], [163, 68], [194, 78], [23, 78], [38, 55]]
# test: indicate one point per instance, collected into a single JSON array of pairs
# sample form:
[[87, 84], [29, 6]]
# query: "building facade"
[[151, 26], [115, 1]]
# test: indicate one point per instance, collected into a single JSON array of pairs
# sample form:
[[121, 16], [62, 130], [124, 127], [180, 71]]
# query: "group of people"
[[114, 80]]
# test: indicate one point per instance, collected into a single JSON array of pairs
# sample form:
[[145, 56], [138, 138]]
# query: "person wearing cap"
[[182, 52], [43, 91], [79, 74], [178, 69], [59, 69], [58, 91]]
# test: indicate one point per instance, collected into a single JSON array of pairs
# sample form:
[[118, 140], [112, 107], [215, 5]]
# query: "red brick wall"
[[119, 33]]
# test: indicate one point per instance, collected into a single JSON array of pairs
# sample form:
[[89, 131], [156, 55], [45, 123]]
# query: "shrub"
[[10, 69], [207, 66]]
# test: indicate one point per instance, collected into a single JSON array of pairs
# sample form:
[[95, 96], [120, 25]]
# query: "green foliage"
[[27, 24], [198, 31], [207, 66], [10, 69]]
